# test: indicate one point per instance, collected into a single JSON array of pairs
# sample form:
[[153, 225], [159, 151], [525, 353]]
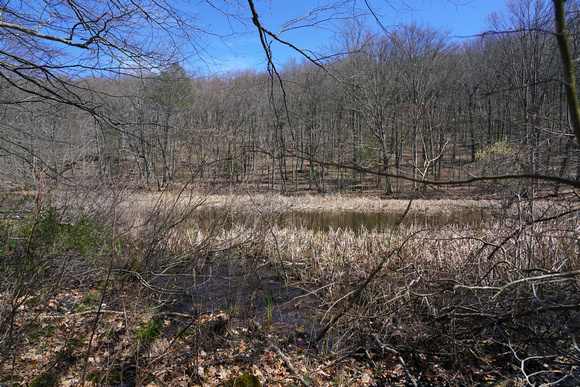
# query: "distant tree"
[[52, 51], [170, 97], [526, 23], [48, 44], [568, 66]]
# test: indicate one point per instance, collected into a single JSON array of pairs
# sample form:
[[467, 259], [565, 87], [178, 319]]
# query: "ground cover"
[[153, 299]]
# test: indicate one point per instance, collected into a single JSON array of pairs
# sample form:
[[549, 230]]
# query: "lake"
[[345, 220]]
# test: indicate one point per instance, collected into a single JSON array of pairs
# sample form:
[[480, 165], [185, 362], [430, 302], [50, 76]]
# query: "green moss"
[[90, 299], [45, 380], [149, 332], [243, 381]]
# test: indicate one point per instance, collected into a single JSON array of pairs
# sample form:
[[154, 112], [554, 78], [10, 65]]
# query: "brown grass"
[[338, 202], [456, 301]]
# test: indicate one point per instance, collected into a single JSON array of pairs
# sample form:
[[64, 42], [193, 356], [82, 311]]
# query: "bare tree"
[[50, 49]]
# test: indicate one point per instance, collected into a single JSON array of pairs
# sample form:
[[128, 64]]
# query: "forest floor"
[[123, 342], [186, 350], [231, 310]]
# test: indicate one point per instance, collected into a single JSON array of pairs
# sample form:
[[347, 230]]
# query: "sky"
[[242, 49]]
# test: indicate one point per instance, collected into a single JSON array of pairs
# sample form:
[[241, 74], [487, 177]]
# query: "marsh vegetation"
[[164, 297], [403, 211]]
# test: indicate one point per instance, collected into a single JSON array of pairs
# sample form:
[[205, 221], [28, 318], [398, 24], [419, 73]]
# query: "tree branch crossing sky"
[[312, 25]]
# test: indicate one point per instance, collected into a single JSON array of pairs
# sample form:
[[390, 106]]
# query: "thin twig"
[[288, 362], [396, 353]]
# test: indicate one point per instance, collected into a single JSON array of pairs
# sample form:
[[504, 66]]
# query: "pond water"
[[352, 220], [241, 288], [244, 292], [345, 220]]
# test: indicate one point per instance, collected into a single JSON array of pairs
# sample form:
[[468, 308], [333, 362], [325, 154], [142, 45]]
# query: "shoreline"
[[338, 203]]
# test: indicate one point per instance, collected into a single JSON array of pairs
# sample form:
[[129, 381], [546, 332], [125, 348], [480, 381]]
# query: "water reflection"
[[345, 220]]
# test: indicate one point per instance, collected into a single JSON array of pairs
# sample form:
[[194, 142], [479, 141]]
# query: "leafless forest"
[[411, 102], [140, 232]]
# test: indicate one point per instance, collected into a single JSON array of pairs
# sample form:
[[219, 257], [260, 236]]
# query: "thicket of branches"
[[387, 110]]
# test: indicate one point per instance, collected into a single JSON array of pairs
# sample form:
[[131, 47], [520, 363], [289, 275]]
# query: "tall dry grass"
[[466, 294], [335, 202], [501, 293]]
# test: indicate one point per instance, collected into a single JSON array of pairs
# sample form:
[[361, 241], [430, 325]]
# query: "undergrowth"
[[457, 304]]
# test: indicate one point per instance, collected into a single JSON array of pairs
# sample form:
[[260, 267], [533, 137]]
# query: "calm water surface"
[[345, 220]]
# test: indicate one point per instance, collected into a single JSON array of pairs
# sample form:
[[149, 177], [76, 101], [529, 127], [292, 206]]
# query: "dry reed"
[[452, 291]]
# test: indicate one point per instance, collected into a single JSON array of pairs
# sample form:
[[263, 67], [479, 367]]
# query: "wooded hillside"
[[406, 100]]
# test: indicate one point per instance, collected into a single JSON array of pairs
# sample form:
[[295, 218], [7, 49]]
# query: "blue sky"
[[241, 49]]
